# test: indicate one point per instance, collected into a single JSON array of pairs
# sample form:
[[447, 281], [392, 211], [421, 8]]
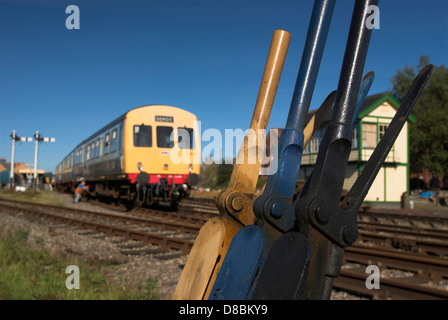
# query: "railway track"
[[410, 218], [111, 224], [403, 275], [172, 234], [393, 289], [412, 245]]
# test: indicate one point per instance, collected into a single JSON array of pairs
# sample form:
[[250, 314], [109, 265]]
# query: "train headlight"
[[165, 166]]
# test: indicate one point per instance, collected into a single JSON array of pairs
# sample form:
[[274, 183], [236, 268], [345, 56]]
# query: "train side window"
[[113, 145], [97, 148], [88, 153], [164, 137], [142, 136], [185, 138], [106, 143], [92, 150]]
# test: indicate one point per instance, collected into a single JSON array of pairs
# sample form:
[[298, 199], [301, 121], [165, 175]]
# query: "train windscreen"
[[186, 138], [142, 136], [164, 137]]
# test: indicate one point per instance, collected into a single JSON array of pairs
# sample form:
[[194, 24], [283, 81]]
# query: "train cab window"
[[142, 136], [164, 139], [113, 145], [185, 138]]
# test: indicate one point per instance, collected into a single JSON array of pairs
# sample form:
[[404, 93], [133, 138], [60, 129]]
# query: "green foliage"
[[428, 137], [215, 176], [224, 174]]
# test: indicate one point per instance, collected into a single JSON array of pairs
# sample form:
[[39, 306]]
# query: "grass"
[[31, 274], [34, 274], [430, 207], [31, 195]]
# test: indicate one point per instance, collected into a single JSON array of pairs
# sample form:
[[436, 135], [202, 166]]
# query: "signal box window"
[[164, 139], [381, 130], [142, 136], [185, 138], [369, 135]]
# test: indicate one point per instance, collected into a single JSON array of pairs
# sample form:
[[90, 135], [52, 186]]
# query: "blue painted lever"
[[281, 184]]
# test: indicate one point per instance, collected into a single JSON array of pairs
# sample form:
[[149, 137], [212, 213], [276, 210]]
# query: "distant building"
[[370, 125], [22, 172]]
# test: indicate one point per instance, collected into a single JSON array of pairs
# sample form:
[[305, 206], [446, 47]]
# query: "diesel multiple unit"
[[147, 155]]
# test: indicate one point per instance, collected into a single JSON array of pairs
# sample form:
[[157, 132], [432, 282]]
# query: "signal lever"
[[322, 226], [297, 256], [212, 241], [245, 253], [309, 254]]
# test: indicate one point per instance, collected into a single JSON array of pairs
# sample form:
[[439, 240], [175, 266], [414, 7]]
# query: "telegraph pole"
[[38, 138], [14, 138]]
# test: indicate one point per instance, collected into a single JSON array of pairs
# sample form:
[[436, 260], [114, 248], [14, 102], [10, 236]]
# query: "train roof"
[[122, 117], [114, 122]]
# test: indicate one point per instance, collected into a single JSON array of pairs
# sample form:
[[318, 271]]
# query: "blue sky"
[[204, 56]]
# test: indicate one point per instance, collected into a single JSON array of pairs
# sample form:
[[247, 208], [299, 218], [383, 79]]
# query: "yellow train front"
[[148, 155]]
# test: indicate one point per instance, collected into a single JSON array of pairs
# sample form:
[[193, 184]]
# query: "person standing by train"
[[79, 190]]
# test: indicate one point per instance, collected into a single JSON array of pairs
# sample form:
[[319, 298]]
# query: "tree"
[[216, 176], [428, 137]]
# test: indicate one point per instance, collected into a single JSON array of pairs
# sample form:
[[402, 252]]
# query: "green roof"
[[374, 101], [370, 103]]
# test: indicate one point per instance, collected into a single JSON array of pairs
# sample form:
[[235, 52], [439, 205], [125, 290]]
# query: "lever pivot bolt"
[[237, 204], [322, 215], [277, 209], [350, 234]]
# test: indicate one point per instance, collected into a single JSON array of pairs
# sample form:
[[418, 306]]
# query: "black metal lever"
[[324, 187]]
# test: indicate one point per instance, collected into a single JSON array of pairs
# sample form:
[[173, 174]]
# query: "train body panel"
[[148, 149]]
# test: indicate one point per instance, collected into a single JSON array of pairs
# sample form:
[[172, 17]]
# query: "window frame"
[[169, 136], [114, 141], [190, 131], [134, 136]]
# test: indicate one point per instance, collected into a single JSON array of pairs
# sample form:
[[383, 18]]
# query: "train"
[[147, 156]]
